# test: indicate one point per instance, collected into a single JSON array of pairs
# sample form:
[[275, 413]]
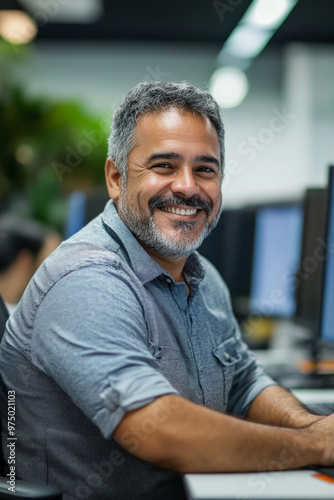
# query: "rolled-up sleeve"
[[90, 336]]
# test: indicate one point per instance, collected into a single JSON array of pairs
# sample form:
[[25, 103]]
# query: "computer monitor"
[[277, 243], [309, 274], [230, 249], [326, 319]]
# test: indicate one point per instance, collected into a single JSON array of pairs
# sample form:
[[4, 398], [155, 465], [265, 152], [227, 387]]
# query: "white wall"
[[290, 153], [267, 157], [100, 73]]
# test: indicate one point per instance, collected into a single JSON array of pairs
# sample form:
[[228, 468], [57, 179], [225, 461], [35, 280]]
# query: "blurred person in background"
[[24, 245]]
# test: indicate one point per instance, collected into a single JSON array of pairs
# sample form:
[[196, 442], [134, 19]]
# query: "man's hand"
[[174, 433], [323, 432]]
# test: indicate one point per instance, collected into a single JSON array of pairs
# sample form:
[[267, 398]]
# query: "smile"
[[180, 211]]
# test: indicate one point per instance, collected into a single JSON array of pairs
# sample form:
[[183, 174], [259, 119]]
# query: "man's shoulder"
[[81, 258], [91, 247], [94, 234]]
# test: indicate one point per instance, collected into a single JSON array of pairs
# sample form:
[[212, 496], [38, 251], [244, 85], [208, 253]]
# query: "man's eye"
[[162, 166], [206, 169]]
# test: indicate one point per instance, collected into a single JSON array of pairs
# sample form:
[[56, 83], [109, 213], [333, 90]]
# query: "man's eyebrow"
[[207, 159], [162, 155]]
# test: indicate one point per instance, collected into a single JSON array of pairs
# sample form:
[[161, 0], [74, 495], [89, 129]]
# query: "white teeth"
[[180, 211]]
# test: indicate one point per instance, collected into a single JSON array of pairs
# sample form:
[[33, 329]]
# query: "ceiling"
[[182, 21]]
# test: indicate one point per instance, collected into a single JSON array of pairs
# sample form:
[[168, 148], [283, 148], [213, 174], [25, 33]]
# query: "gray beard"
[[146, 231]]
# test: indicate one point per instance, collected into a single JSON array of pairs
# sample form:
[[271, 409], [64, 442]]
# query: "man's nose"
[[185, 182]]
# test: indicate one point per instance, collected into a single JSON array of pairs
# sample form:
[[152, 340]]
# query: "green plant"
[[47, 149]]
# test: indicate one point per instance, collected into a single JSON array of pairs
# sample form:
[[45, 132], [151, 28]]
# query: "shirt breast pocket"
[[228, 356]]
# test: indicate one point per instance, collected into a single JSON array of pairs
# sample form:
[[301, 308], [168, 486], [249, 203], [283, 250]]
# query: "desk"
[[278, 485]]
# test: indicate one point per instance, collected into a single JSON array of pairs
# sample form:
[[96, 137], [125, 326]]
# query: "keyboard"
[[299, 382]]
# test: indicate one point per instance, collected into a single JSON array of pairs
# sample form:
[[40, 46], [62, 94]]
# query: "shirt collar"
[[193, 269], [142, 264]]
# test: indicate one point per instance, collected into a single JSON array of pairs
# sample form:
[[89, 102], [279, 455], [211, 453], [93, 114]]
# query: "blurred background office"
[[59, 90], [66, 64]]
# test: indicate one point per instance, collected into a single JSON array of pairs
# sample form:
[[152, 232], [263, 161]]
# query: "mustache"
[[193, 202]]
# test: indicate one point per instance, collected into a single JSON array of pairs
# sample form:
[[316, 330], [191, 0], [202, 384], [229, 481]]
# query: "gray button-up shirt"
[[103, 329]]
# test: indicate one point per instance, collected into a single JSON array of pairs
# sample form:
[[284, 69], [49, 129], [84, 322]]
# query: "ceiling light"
[[229, 86], [247, 41], [268, 14], [17, 27]]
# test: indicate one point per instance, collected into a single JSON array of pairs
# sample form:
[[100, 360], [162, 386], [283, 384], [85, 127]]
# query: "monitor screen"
[[327, 304], [309, 275], [230, 249], [276, 257]]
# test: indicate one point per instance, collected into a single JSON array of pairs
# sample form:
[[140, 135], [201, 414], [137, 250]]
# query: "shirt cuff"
[[115, 405], [242, 407]]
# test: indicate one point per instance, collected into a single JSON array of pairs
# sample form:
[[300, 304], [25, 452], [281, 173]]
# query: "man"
[[126, 361]]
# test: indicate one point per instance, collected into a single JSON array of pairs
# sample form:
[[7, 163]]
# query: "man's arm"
[[276, 406], [176, 434]]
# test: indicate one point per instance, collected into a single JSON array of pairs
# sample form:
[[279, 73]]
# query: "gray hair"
[[150, 97]]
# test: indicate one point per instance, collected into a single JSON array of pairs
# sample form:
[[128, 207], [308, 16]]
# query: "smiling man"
[[126, 360], [171, 198]]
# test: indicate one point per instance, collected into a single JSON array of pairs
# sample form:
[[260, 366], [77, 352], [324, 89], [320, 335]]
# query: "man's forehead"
[[162, 115], [166, 120]]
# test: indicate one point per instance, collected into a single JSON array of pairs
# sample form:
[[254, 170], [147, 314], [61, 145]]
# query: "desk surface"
[[278, 485]]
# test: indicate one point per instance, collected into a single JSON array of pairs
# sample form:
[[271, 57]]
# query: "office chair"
[[23, 489]]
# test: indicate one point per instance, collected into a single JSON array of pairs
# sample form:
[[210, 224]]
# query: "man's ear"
[[113, 179]]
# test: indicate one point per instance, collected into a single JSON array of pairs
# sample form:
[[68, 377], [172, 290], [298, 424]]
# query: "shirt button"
[[168, 280], [227, 356]]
